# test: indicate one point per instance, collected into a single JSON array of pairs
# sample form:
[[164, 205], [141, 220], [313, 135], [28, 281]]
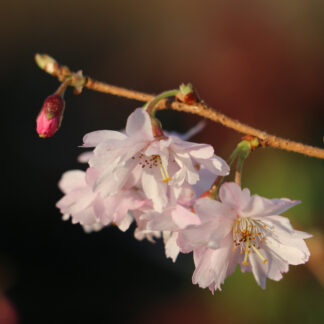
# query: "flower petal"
[[231, 194], [202, 151], [294, 251], [262, 207], [213, 266], [215, 164], [205, 265], [71, 180], [139, 124], [155, 190], [94, 138], [170, 245], [183, 217], [212, 210]]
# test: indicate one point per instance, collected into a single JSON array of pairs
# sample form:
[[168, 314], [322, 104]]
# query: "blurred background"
[[257, 61]]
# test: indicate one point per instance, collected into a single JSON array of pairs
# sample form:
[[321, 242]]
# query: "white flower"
[[154, 163], [246, 230], [89, 209], [152, 224]]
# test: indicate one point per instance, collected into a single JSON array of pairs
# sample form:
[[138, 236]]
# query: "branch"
[[49, 65]]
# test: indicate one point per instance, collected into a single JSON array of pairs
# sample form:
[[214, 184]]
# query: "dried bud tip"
[[187, 94], [78, 81], [50, 117]]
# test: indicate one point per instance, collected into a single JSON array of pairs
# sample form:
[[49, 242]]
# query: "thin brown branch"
[[201, 109]]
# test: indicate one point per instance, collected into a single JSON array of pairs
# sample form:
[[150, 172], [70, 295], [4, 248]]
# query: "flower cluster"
[[156, 180]]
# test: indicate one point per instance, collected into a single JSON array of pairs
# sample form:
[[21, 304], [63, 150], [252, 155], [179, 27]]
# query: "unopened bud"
[[46, 62], [50, 117], [187, 94]]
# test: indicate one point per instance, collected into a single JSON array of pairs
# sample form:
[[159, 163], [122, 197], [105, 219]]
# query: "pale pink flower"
[[246, 230], [88, 208], [152, 224], [139, 158]]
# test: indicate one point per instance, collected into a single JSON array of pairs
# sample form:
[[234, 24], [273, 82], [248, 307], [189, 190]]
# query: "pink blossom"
[[50, 117], [154, 163], [152, 224], [245, 230], [88, 208]]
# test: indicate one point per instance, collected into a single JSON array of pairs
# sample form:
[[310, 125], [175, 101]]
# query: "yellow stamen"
[[246, 252], [164, 171], [263, 259]]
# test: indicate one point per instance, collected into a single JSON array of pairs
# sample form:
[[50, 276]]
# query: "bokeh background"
[[257, 61]]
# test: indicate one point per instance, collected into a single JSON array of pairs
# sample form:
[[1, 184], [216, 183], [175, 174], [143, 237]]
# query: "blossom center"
[[152, 162], [248, 235]]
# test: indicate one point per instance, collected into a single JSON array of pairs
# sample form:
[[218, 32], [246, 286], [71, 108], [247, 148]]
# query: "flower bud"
[[187, 94], [50, 117], [46, 63]]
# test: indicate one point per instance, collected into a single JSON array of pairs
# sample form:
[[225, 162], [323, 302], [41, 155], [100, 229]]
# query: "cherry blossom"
[[245, 230], [88, 208], [137, 157], [152, 224]]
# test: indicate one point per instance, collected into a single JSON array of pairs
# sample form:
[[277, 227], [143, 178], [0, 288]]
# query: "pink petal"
[[206, 180], [258, 270], [213, 266], [282, 228], [212, 210], [293, 252], [84, 217], [194, 237], [125, 222], [187, 171], [91, 176], [71, 180], [94, 138], [215, 164], [139, 124], [202, 151], [182, 217], [85, 157], [204, 272], [231, 194], [157, 221], [262, 207], [170, 245], [155, 190]]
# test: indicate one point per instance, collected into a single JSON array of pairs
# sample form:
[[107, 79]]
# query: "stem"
[[238, 177], [239, 170], [200, 109], [240, 153], [166, 94], [61, 89]]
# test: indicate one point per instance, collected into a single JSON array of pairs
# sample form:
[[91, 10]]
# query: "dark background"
[[260, 62]]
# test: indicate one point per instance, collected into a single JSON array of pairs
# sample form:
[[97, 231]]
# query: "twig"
[[201, 109]]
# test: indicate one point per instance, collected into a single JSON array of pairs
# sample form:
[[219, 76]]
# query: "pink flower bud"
[[50, 117]]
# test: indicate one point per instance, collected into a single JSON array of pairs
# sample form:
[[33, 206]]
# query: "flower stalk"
[[240, 154], [150, 108]]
